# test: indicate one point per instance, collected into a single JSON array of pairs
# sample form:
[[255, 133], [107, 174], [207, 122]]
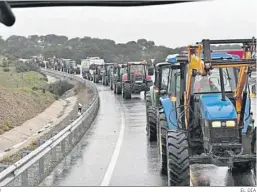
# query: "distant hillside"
[[78, 48]]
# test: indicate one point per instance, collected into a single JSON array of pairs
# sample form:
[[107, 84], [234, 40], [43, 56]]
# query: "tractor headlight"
[[216, 124], [219, 124], [230, 123]]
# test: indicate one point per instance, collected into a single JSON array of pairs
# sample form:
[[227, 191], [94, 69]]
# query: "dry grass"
[[21, 97]]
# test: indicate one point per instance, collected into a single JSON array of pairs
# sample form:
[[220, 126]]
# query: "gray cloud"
[[169, 25]]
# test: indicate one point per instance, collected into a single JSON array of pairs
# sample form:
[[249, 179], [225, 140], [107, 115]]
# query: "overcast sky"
[[169, 25]]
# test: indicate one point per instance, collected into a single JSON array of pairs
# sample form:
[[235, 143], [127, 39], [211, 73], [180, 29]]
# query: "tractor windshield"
[[137, 68], [211, 83], [165, 77]]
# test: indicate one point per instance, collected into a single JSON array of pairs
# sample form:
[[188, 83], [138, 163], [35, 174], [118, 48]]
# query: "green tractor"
[[161, 76], [205, 113], [107, 67], [116, 78], [96, 72]]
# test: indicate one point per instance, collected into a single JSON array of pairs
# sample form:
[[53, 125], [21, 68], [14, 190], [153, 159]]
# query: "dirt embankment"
[[78, 94], [22, 96]]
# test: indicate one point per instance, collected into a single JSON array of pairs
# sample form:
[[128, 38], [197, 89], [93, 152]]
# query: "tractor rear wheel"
[[178, 159], [111, 85], [163, 125], [105, 81], [152, 116], [119, 89], [127, 91]]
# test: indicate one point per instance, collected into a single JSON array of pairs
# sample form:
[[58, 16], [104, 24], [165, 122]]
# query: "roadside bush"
[[58, 88], [6, 69], [24, 67]]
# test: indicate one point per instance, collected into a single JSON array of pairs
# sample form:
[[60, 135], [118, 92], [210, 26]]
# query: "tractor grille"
[[224, 135], [138, 77]]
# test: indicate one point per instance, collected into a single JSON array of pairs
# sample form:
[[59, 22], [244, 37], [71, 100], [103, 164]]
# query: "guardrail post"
[[24, 175]]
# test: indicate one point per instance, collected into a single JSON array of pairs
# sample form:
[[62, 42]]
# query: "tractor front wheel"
[[127, 91], [118, 89], [178, 159]]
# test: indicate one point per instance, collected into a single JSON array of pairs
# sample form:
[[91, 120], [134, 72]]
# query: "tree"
[[79, 48]]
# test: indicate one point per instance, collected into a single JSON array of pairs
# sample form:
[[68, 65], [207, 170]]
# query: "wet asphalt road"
[[115, 152]]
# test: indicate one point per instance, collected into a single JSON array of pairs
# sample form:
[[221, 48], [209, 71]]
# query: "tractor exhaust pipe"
[[223, 96]]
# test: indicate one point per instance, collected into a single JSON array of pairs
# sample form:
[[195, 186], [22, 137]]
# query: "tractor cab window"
[[165, 78], [211, 83], [137, 68], [174, 81]]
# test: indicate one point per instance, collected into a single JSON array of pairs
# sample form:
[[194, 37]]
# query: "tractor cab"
[[96, 72], [116, 78], [107, 68], [160, 90]]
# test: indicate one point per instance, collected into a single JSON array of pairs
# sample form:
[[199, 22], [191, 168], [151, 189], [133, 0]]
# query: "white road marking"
[[115, 155]]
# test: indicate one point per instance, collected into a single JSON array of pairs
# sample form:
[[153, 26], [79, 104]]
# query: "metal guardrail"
[[35, 166]]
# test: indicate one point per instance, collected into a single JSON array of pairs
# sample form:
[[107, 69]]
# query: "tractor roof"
[[176, 59], [163, 64], [137, 62], [222, 55], [110, 63]]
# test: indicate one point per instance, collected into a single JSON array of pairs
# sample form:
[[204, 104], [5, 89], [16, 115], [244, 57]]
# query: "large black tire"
[[152, 116], [244, 167], [127, 91], [96, 79], [178, 159], [118, 89], [111, 85], [253, 141], [163, 142], [106, 81]]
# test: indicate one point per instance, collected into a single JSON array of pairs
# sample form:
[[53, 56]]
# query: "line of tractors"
[[198, 108], [126, 79]]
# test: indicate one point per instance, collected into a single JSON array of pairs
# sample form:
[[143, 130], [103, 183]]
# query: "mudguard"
[[169, 111], [213, 108]]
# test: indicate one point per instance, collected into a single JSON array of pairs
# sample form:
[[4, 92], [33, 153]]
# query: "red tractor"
[[137, 78]]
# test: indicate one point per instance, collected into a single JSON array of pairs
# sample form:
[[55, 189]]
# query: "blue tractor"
[[161, 76], [205, 113]]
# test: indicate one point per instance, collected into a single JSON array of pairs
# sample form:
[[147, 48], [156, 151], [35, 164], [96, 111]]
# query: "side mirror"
[[163, 92], [150, 71]]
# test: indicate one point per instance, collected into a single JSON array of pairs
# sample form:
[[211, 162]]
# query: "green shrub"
[[24, 67], [58, 88], [6, 69]]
